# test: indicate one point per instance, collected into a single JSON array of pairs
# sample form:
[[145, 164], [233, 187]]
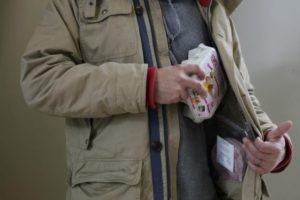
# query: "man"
[[93, 62]]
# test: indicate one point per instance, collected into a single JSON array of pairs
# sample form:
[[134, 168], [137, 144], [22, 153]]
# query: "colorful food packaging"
[[199, 108]]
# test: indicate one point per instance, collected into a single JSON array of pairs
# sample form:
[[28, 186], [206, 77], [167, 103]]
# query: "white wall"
[[269, 31]]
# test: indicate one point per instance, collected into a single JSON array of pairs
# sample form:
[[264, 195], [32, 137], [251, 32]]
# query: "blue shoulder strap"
[[154, 137]]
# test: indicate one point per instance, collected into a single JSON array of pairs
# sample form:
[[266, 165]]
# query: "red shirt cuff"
[[151, 76], [288, 155], [204, 3]]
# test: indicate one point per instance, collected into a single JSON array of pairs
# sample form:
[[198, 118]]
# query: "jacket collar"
[[230, 5]]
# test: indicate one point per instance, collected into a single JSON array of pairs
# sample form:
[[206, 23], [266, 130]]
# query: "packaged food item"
[[214, 83], [229, 159]]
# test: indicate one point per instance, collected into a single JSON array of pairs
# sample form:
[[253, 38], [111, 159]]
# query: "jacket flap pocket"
[[108, 171], [93, 11]]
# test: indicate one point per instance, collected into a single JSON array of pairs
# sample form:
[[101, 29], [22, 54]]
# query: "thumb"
[[280, 130]]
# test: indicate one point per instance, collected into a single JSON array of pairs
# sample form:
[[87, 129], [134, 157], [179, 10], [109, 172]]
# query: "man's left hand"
[[264, 156]]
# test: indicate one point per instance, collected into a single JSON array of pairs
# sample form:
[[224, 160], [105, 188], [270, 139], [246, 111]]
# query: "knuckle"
[[261, 147], [197, 86], [177, 67], [182, 68], [198, 70], [277, 150], [194, 67], [250, 149], [246, 143], [181, 78], [258, 145], [254, 151], [178, 90], [257, 161]]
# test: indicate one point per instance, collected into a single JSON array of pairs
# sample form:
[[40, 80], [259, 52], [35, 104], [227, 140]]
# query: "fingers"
[[251, 158], [266, 147], [183, 95], [258, 162], [253, 150], [263, 156], [193, 69], [187, 82], [195, 85], [282, 128], [173, 83]]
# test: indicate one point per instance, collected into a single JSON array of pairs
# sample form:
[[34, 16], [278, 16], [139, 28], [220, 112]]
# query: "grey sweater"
[[186, 30]]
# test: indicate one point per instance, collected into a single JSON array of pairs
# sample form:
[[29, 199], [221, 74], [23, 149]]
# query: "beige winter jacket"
[[85, 63]]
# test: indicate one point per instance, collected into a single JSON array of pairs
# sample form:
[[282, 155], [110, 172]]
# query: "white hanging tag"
[[225, 154]]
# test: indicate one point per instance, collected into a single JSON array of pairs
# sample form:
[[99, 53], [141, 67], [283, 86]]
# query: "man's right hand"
[[172, 83]]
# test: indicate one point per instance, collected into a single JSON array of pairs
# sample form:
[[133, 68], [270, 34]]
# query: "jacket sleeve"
[[264, 120], [55, 80]]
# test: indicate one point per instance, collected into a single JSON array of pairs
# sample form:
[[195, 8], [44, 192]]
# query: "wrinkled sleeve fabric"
[[265, 122], [55, 79]]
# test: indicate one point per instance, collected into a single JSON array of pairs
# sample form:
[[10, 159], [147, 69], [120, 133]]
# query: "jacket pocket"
[[107, 180], [107, 30]]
